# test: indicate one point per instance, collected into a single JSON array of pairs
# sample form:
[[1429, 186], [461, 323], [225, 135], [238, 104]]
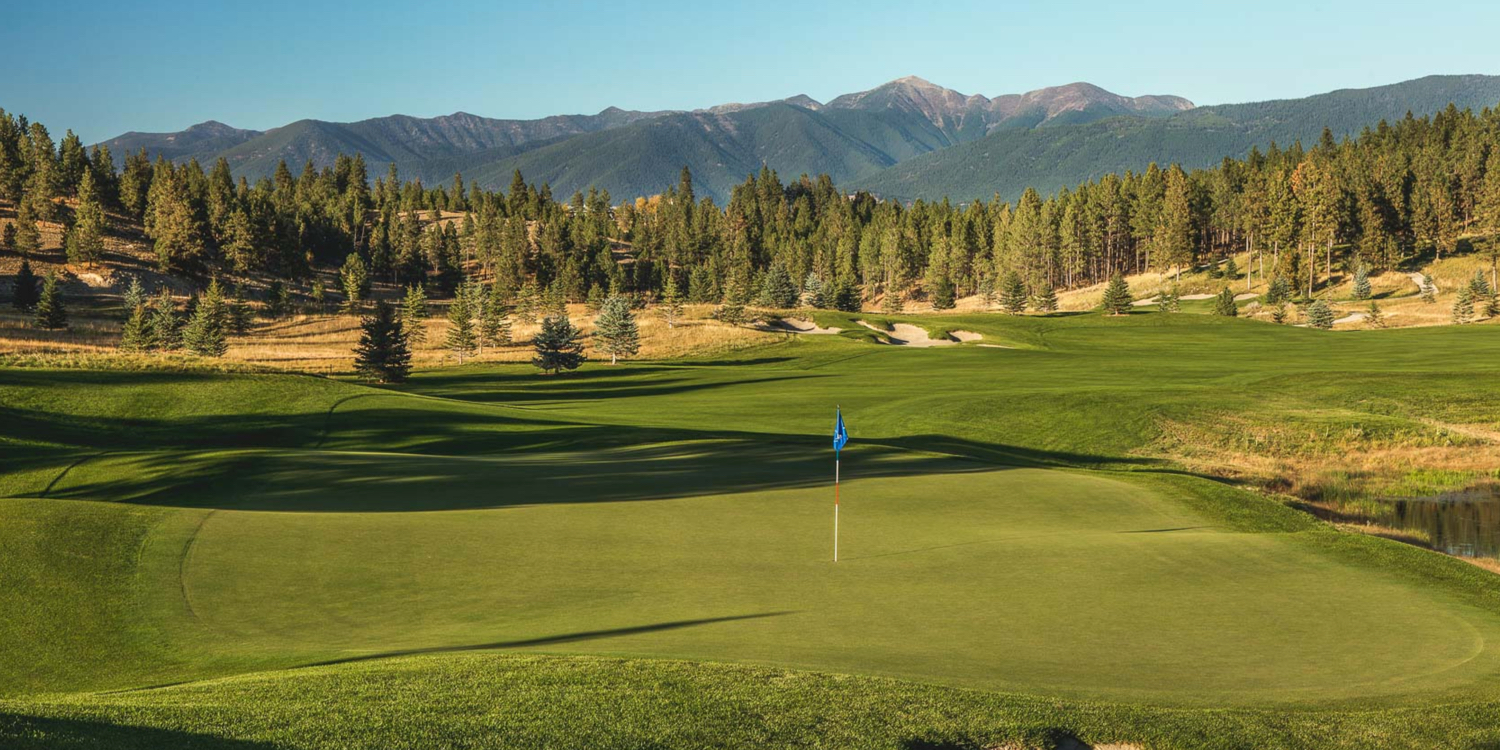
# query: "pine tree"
[[1320, 315], [813, 291], [238, 313], [8, 238], [987, 294], [278, 299], [527, 302], [1224, 305], [845, 296], [1231, 269], [135, 294], [1374, 318], [732, 311], [944, 297], [1013, 295], [414, 314], [1485, 302], [460, 338], [136, 335], [595, 301], [1045, 299], [1278, 313], [25, 295], [559, 346], [1463, 307], [617, 330], [892, 303], [207, 331], [318, 294], [383, 354], [163, 322], [670, 307], [85, 241], [28, 238], [1279, 291], [355, 278], [494, 318], [1429, 289], [1362, 282], [1117, 299], [51, 313], [1169, 299], [777, 288]]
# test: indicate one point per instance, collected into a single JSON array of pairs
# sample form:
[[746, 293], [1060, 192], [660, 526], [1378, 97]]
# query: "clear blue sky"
[[103, 68]]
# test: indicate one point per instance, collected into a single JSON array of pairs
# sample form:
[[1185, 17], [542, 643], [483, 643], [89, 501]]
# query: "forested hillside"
[[1300, 217]]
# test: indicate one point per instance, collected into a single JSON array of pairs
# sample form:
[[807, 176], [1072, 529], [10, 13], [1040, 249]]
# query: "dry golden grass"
[[325, 343]]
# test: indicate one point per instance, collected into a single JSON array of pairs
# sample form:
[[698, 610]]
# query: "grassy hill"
[[1007, 161], [1020, 560]]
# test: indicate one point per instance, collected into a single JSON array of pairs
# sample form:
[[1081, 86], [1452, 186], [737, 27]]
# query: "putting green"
[[1033, 580]]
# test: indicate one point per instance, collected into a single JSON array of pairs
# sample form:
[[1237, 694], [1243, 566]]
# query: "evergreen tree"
[[1013, 295], [163, 322], [1278, 291], [1485, 302], [670, 307], [135, 294], [207, 331], [319, 296], [1429, 289], [617, 330], [987, 294], [355, 278], [845, 296], [8, 238], [1320, 315], [1463, 306], [460, 338], [1117, 299], [559, 346], [813, 291], [25, 295], [238, 313], [28, 238], [1224, 305], [383, 354], [732, 311], [1278, 313], [1362, 282], [891, 303], [494, 318], [85, 241], [777, 289], [278, 299], [1373, 316], [943, 295], [51, 313], [414, 314], [595, 301], [1045, 299], [1169, 299], [527, 301], [1231, 269], [136, 335]]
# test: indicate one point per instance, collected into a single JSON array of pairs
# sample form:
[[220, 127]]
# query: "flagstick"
[[835, 506]]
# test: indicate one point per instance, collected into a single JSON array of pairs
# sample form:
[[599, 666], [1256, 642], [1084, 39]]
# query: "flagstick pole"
[[835, 506]]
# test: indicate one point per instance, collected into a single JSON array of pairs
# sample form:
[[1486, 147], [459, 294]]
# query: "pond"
[[1464, 523]]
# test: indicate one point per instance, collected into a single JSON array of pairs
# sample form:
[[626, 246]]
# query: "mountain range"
[[906, 139]]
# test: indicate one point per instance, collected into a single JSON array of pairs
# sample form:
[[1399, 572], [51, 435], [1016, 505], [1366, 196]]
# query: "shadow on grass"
[[20, 732], [587, 635]]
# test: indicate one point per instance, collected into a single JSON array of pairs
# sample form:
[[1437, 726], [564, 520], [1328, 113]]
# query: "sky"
[[104, 68]]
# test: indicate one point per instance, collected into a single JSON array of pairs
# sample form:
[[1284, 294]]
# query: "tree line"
[[1300, 216]]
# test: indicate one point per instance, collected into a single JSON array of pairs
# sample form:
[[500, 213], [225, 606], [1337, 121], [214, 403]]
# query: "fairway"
[[249, 523]]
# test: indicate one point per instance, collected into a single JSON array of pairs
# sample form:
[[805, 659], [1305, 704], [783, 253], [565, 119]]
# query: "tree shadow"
[[587, 635], [24, 732]]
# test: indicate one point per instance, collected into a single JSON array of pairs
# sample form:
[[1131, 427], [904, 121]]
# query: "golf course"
[[639, 555]]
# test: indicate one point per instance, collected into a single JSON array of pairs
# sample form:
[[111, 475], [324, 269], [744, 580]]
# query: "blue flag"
[[840, 435]]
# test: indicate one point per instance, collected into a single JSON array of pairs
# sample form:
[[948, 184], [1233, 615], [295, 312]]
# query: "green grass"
[[1016, 565]]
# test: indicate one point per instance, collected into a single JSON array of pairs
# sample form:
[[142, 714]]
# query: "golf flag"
[[840, 438]]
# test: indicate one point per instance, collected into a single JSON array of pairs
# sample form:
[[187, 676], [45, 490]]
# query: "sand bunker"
[[906, 334], [799, 325]]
